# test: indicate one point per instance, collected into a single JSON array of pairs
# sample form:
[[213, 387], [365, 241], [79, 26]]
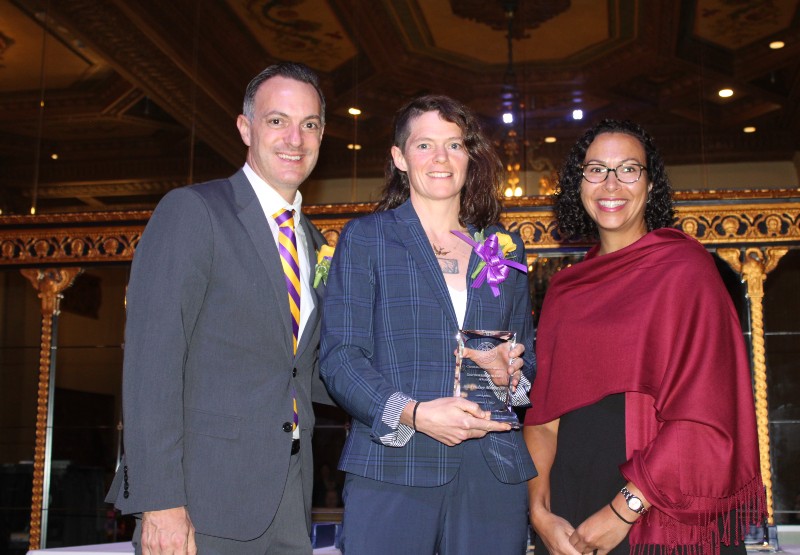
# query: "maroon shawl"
[[653, 320]]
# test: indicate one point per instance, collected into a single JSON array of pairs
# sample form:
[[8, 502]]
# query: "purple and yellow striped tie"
[[287, 246]]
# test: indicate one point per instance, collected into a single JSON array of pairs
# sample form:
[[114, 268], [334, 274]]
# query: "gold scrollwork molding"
[[50, 285], [741, 222], [713, 217], [70, 239], [331, 229], [711, 224], [753, 265], [44, 246], [538, 229]]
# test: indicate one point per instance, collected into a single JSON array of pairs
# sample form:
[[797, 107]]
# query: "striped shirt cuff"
[[520, 396], [391, 418]]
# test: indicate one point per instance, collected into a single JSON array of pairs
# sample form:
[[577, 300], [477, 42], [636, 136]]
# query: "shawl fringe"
[[712, 528]]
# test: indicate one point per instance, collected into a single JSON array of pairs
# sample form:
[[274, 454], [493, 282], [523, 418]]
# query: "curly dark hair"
[[573, 221], [480, 196]]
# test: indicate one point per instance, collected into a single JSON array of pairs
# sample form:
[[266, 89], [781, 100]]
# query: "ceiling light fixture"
[[725, 93], [550, 140], [511, 104], [355, 147], [39, 138], [510, 94], [749, 129], [577, 114], [777, 44]]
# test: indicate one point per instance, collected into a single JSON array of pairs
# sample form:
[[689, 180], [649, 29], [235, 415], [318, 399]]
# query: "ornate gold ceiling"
[[140, 96]]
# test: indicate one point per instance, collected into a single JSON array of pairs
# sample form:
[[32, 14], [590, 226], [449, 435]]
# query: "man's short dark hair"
[[289, 70]]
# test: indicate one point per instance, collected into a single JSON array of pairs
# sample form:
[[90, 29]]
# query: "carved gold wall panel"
[[69, 246], [49, 284], [753, 265], [737, 217], [739, 223]]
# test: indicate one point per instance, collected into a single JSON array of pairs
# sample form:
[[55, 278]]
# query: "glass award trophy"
[[484, 378]]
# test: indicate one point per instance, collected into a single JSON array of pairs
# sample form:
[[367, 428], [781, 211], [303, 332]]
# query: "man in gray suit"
[[217, 458]]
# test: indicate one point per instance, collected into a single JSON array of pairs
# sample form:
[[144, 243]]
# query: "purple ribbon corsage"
[[493, 268]]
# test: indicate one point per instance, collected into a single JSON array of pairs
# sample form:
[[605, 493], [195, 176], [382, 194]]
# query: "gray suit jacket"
[[208, 365]]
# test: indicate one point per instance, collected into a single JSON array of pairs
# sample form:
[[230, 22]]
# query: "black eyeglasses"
[[625, 173]]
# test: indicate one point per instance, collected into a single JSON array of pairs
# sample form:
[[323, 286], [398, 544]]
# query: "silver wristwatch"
[[634, 503]]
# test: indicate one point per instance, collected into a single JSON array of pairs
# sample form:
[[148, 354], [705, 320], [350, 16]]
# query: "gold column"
[[50, 284], [758, 262]]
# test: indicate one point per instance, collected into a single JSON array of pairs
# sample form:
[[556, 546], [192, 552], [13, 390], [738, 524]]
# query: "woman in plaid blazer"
[[427, 472]]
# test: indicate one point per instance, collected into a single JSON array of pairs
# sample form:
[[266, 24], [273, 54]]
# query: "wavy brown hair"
[[480, 196], [573, 220]]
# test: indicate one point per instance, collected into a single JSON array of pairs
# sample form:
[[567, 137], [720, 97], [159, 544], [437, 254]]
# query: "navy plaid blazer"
[[389, 325]]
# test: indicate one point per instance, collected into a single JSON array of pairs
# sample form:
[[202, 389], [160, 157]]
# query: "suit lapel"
[[312, 245], [255, 222], [409, 231], [471, 292]]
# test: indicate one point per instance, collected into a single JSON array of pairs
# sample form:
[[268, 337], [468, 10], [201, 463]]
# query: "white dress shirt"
[[271, 202]]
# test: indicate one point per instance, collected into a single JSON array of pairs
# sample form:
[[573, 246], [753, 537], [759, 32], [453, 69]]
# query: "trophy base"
[[508, 417]]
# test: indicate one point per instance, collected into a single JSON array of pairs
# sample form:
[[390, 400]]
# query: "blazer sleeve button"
[[287, 427], [294, 372]]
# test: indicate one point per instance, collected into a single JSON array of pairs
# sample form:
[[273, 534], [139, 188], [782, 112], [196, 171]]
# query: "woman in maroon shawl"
[[642, 424]]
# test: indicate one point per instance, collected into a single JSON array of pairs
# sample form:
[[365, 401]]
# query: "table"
[[97, 549], [127, 547]]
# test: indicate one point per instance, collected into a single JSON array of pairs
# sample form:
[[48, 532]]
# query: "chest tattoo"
[[448, 265]]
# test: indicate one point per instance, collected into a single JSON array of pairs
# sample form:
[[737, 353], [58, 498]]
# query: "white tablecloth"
[[126, 547], [98, 549]]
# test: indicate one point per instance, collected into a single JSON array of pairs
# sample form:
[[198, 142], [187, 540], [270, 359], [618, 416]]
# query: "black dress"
[[585, 475]]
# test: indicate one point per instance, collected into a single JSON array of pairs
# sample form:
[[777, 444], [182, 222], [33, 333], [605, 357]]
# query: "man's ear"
[[243, 124]]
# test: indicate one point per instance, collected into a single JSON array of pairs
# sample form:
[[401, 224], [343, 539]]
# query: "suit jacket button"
[[287, 427], [294, 372]]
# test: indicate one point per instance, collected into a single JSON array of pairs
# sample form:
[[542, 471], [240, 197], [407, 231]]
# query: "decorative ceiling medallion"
[[470, 38], [528, 14], [732, 25], [300, 30]]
